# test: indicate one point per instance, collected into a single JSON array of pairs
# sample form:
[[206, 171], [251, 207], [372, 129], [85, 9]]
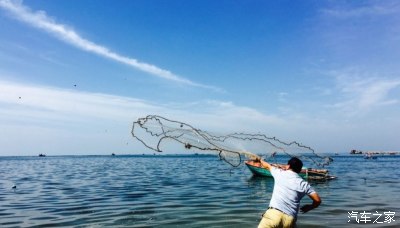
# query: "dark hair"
[[295, 164]]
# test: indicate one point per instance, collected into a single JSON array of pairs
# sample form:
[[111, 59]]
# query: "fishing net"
[[158, 133]]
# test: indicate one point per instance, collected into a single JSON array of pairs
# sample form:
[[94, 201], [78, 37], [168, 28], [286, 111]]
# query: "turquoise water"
[[184, 191]]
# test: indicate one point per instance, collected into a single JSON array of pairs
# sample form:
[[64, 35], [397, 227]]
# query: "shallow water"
[[172, 191]]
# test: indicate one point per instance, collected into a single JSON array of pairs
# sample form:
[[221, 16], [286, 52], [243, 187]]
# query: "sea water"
[[184, 191]]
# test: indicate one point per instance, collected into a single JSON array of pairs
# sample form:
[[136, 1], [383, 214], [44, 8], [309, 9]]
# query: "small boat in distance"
[[306, 173], [370, 156], [42, 155]]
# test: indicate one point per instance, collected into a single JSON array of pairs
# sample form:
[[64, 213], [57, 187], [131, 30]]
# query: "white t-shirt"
[[289, 189]]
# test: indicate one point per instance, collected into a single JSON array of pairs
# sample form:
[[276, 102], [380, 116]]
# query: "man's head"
[[295, 164]]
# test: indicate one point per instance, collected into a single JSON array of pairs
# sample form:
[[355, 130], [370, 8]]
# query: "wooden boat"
[[306, 173]]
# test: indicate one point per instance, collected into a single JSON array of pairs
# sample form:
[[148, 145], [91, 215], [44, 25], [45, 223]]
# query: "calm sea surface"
[[184, 191]]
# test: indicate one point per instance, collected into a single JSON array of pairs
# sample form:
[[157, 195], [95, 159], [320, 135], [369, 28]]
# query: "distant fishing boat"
[[306, 173], [356, 152], [370, 156], [42, 155]]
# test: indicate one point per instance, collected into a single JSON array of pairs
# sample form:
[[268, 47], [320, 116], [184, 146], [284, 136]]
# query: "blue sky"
[[74, 75]]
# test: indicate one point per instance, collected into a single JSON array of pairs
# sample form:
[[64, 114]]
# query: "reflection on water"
[[192, 191]]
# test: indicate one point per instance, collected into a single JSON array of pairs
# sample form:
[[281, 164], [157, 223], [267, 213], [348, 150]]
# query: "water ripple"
[[152, 191]]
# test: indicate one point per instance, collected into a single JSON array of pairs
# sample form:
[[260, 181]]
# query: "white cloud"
[[375, 94], [67, 103], [40, 20], [65, 115], [55, 101], [372, 8], [360, 93], [60, 121]]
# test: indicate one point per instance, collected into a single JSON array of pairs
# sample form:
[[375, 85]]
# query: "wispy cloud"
[[372, 8], [50, 103], [361, 93], [74, 121], [40, 20], [53, 103]]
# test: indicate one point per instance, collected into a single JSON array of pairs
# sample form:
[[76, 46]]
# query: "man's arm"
[[265, 164], [316, 202]]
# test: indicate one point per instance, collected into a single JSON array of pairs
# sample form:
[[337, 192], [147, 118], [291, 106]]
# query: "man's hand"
[[316, 202], [265, 164], [306, 208]]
